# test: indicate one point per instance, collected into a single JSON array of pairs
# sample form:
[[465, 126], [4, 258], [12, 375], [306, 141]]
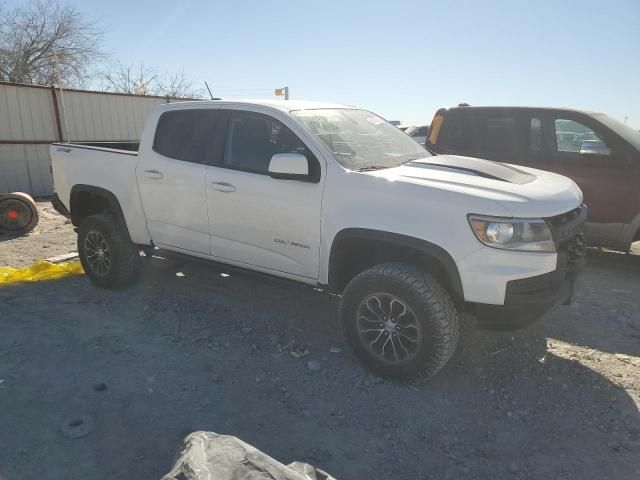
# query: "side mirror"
[[594, 147], [289, 166]]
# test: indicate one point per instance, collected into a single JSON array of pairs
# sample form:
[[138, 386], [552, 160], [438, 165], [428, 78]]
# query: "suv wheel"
[[399, 321], [107, 254]]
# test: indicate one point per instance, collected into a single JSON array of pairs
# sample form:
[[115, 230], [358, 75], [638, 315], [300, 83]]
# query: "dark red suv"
[[600, 154]]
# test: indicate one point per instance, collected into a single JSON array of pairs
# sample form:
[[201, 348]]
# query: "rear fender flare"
[[112, 201]]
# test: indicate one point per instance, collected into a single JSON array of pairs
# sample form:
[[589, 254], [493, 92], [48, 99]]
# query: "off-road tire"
[[434, 310], [124, 254]]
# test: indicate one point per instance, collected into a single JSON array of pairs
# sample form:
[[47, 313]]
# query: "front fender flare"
[[430, 249]]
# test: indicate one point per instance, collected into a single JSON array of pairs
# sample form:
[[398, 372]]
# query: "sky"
[[402, 60]]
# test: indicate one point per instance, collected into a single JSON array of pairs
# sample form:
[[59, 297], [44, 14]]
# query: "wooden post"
[[56, 109]]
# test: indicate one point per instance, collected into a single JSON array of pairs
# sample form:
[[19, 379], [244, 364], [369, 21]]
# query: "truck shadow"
[[507, 400], [605, 314], [203, 351]]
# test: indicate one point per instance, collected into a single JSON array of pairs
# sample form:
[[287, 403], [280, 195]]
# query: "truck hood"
[[524, 192]]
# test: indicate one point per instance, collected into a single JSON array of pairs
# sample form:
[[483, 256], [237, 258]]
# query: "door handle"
[[223, 187], [154, 174]]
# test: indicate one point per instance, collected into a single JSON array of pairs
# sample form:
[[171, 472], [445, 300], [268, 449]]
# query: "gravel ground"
[[203, 351]]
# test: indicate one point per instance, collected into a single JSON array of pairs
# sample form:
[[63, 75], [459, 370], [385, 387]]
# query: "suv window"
[[187, 135], [252, 139], [570, 135]]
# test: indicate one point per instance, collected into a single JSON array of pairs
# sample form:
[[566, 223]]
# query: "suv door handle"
[[223, 187], [154, 174]]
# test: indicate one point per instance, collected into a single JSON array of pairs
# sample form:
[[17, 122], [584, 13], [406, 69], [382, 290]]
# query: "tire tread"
[[426, 287], [126, 264]]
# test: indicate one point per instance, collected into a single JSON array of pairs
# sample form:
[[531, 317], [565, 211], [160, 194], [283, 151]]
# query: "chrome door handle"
[[223, 187], [154, 174]]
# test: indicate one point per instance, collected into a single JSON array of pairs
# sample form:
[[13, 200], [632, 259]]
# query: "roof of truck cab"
[[504, 107], [284, 105]]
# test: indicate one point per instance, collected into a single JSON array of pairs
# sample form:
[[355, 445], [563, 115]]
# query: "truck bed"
[[110, 169], [129, 148]]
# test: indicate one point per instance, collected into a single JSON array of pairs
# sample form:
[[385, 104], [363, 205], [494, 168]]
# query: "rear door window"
[[456, 136], [497, 134], [500, 134], [536, 137], [187, 135]]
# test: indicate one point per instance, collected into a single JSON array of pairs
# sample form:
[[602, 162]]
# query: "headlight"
[[528, 235]]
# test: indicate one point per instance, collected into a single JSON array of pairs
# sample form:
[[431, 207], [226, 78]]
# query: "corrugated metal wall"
[[26, 115], [29, 123]]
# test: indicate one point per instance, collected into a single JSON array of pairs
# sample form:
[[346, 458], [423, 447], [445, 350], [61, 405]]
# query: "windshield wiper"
[[370, 168]]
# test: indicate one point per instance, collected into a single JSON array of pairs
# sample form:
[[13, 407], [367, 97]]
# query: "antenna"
[[209, 90]]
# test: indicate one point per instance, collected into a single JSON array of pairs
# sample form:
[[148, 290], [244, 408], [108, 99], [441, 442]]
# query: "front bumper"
[[528, 299]]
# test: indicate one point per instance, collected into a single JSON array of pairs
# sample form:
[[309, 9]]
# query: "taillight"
[[434, 130]]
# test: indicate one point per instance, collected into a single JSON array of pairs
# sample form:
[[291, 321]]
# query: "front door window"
[[577, 138]]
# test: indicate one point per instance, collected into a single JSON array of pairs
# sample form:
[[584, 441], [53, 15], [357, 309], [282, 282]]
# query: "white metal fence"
[[32, 117]]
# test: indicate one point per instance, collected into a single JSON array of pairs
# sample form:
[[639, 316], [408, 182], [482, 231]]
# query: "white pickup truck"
[[337, 198]]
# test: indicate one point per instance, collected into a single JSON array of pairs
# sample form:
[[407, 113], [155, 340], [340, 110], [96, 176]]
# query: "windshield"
[[629, 134], [360, 139]]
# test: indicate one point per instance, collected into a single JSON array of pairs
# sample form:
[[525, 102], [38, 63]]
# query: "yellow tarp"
[[40, 270]]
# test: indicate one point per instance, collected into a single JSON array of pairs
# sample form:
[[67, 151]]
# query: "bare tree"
[[142, 80], [179, 86], [44, 42], [122, 78]]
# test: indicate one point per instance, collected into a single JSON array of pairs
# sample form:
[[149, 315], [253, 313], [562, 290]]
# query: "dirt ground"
[[204, 351], [52, 236]]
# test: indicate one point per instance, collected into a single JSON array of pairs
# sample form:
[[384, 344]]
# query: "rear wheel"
[[18, 213], [399, 321], [107, 254]]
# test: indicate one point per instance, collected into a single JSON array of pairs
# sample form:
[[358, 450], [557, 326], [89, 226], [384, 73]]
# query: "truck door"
[[257, 220], [171, 175], [577, 147]]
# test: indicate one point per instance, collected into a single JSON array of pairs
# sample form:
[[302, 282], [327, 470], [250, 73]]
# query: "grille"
[[575, 250], [559, 220], [568, 232]]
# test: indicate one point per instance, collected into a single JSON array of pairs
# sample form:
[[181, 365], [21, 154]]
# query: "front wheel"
[[107, 254], [399, 321]]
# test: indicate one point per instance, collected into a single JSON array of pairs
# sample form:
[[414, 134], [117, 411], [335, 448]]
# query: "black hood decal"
[[477, 166]]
